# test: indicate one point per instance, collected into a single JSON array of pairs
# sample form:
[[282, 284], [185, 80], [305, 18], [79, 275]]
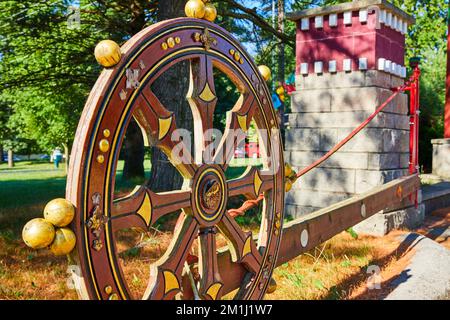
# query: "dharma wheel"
[[136, 243]]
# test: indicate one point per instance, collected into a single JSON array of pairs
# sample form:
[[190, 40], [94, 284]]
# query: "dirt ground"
[[432, 228]]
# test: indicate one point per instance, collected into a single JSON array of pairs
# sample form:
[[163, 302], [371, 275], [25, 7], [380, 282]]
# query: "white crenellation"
[[304, 68], [385, 17], [347, 18], [387, 65], [363, 15], [304, 24], [382, 16], [332, 66], [383, 64], [333, 20], [318, 22], [318, 67], [389, 19], [347, 65], [363, 64]]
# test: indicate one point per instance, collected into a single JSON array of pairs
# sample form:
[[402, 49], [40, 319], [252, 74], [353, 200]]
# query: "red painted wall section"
[[358, 40]]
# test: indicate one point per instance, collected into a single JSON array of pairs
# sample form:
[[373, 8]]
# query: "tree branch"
[[253, 16]]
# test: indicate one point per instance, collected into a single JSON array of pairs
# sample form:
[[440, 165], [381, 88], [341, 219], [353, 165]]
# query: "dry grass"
[[335, 269]]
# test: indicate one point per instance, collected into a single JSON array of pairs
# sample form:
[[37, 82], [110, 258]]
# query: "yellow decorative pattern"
[[145, 211], [214, 290], [207, 95], [242, 120], [257, 182], [103, 145], [100, 159], [164, 126], [171, 42], [106, 133], [170, 281], [247, 249]]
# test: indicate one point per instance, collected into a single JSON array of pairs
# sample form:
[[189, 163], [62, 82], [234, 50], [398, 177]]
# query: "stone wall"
[[325, 109]]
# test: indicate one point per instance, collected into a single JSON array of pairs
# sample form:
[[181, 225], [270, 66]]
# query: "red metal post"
[[414, 99], [414, 111], [447, 82]]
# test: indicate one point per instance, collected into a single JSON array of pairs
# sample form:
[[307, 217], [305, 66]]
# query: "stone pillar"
[[349, 56], [441, 157]]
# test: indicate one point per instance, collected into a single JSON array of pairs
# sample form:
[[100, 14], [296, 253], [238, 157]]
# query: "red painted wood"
[[447, 82], [358, 40]]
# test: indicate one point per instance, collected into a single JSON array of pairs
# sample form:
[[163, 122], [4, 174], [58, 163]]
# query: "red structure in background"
[[447, 82], [371, 38], [414, 98]]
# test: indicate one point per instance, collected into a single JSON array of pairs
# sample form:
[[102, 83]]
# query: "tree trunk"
[[10, 159], [281, 63], [134, 153], [66, 157], [171, 88], [1, 153]]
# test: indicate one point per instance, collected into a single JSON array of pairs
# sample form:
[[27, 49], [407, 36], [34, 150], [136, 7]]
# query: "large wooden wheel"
[[202, 202]]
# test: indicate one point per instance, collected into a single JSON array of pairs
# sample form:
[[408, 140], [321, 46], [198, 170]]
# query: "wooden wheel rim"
[[91, 181]]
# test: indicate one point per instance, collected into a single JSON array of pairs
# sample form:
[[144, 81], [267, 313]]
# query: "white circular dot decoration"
[[363, 210], [304, 238]]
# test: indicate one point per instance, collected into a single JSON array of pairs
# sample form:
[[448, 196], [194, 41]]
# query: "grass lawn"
[[331, 271]]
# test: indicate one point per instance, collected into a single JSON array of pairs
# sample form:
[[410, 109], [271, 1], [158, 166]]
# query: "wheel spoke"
[[210, 286], [160, 127], [237, 124], [202, 99], [165, 274], [142, 208], [241, 244], [251, 184]]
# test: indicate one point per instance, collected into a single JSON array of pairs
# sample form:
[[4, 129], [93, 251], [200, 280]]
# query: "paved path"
[[427, 277]]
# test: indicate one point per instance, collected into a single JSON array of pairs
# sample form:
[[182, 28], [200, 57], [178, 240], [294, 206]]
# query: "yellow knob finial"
[[107, 53], [265, 72], [195, 9]]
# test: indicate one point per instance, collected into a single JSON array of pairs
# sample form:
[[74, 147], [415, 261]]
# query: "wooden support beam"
[[326, 223]]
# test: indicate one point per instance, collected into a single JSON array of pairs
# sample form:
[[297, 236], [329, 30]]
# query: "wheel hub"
[[209, 195]]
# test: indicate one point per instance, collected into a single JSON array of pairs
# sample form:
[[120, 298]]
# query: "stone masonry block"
[[441, 157], [381, 224], [303, 139], [382, 161], [396, 121], [343, 99], [346, 119], [366, 98], [311, 101], [395, 140], [366, 180], [337, 160], [295, 211], [328, 180], [368, 140], [310, 198], [369, 78], [404, 160]]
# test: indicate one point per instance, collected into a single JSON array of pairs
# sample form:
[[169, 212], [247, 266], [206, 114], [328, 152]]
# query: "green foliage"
[[48, 69], [353, 233], [427, 39]]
